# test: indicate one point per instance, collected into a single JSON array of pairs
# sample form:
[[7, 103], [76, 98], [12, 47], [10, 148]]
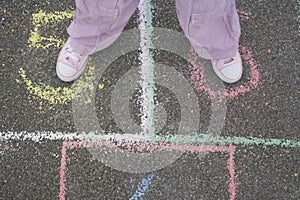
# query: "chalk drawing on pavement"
[[141, 147]]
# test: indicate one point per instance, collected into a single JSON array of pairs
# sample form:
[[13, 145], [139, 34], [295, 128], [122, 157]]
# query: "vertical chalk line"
[[147, 67], [62, 172], [230, 167]]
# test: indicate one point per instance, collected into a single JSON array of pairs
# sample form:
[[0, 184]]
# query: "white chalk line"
[[147, 68], [61, 136], [195, 139]]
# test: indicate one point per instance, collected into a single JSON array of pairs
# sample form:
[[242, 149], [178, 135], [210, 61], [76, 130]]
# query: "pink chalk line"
[[199, 83], [230, 167], [62, 172], [149, 147], [244, 15]]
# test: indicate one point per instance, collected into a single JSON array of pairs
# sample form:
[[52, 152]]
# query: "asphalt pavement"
[[256, 153]]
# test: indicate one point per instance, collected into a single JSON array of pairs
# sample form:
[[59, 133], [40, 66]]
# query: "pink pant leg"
[[212, 26], [97, 20]]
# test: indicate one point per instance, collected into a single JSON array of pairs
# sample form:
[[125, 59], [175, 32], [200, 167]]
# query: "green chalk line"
[[204, 139]]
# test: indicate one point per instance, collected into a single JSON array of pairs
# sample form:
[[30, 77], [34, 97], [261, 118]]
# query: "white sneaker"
[[70, 64], [229, 70]]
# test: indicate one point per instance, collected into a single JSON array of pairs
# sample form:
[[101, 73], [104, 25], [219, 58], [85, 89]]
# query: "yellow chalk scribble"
[[41, 19], [62, 95], [100, 86], [51, 94], [84, 86]]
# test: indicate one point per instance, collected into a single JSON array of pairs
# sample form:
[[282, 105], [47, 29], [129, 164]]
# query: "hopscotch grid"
[[44, 19], [160, 147], [169, 143]]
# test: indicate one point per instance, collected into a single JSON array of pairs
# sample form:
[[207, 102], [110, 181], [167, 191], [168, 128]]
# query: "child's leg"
[[96, 25], [97, 20], [212, 26]]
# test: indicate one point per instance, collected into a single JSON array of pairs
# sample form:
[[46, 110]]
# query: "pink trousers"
[[212, 25]]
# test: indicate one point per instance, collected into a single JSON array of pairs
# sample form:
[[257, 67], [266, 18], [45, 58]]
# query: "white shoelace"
[[223, 63], [74, 58]]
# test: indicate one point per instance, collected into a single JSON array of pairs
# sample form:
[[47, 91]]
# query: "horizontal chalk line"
[[176, 139]]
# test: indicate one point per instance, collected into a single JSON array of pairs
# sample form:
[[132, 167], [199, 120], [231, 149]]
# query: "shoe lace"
[[72, 57], [223, 63]]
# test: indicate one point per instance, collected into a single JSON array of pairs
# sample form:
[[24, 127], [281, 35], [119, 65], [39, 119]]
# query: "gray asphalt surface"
[[31, 170]]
